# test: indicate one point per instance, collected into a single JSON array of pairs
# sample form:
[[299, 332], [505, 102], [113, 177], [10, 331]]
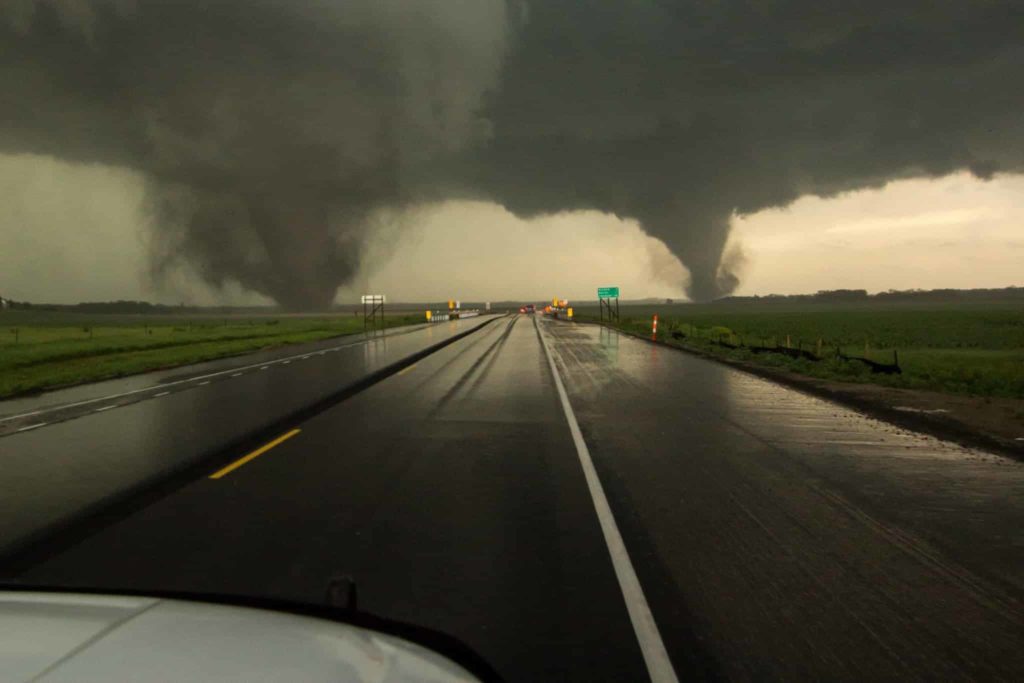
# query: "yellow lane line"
[[255, 454], [405, 370]]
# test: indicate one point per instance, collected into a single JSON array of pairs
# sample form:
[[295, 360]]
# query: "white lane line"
[[25, 429], [285, 362], [100, 410], [659, 666], [101, 399], [162, 393], [203, 384], [237, 374]]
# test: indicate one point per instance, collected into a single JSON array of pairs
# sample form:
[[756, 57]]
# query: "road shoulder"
[[993, 424]]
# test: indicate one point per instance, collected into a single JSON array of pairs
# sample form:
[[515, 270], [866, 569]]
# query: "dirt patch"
[[995, 424], [990, 423]]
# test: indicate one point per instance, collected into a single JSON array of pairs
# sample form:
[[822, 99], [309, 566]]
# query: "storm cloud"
[[273, 133]]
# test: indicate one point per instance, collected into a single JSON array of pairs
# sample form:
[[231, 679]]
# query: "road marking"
[[100, 410], [162, 393], [659, 666], [101, 399], [255, 454], [203, 384], [405, 370], [286, 362], [237, 374], [35, 426]]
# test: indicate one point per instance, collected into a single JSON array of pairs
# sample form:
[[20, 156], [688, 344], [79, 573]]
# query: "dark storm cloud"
[[268, 130], [680, 114], [272, 130]]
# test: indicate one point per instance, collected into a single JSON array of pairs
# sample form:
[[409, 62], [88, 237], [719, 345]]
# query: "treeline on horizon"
[[1004, 294], [134, 307], [892, 295]]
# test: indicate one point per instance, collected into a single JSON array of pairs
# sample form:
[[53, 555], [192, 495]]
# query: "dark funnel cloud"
[[272, 131], [269, 131]]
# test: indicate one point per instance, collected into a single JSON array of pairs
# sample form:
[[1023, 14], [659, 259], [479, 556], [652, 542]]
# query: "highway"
[[67, 453], [574, 505]]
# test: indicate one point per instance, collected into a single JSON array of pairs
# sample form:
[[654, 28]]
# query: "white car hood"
[[51, 637]]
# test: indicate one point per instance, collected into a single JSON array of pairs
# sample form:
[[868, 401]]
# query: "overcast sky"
[[295, 147], [72, 232]]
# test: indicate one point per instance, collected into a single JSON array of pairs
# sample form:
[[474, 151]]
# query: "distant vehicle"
[[528, 308]]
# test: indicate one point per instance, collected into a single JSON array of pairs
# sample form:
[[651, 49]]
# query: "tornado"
[[272, 132]]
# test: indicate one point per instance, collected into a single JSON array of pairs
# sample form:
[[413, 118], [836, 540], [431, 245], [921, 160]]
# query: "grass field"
[[43, 350], [976, 349]]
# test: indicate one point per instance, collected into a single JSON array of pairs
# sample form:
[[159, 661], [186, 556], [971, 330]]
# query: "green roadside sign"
[[607, 292]]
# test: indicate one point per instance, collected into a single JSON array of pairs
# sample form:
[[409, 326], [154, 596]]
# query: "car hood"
[[52, 637]]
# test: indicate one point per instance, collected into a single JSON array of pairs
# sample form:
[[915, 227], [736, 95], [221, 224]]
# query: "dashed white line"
[[286, 362], [35, 426], [162, 393], [203, 384], [100, 399], [659, 666], [237, 374], [100, 410]]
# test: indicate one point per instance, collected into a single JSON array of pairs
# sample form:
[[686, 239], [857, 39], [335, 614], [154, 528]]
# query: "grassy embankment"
[[43, 350], [975, 349]]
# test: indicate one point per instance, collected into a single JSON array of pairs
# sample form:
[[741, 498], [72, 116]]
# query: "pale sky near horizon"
[[71, 232]]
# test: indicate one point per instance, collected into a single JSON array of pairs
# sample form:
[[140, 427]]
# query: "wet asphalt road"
[[774, 535], [80, 447]]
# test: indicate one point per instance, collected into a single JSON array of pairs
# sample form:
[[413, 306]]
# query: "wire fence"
[[794, 347]]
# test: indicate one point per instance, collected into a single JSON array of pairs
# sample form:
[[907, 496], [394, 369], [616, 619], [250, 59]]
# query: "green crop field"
[[968, 349], [45, 349]]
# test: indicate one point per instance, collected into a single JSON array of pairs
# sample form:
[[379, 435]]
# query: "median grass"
[[44, 349], [974, 350]]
